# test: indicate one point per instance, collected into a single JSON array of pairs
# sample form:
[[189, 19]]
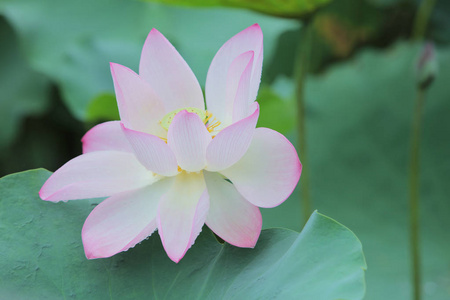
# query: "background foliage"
[[56, 84], [284, 265]]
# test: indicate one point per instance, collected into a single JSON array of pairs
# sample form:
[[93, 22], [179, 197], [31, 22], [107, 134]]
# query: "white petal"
[[268, 172], [250, 39], [182, 213], [241, 102], [139, 106], [106, 136], [188, 139], [230, 216], [123, 220], [96, 174], [237, 87], [152, 152], [231, 143], [168, 74]]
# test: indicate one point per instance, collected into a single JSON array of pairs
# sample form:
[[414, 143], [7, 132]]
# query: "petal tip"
[[252, 244], [184, 112], [92, 255], [125, 129], [175, 259], [113, 66], [45, 194], [174, 256], [154, 31], [187, 114], [84, 143], [250, 56], [255, 27], [89, 255], [89, 252], [257, 106], [41, 194]]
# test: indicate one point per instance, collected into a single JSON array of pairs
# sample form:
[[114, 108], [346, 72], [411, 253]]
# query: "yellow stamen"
[[207, 117], [213, 125], [168, 118]]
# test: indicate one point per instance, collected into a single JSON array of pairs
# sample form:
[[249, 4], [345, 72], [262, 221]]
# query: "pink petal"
[[106, 136], [238, 79], [231, 143], [96, 174], [152, 152], [182, 213], [241, 103], [230, 216], [123, 220], [217, 82], [140, 108], [188, 139], [168, 74], [268, 172]]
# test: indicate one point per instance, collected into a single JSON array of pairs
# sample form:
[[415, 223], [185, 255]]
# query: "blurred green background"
[[360, 90]]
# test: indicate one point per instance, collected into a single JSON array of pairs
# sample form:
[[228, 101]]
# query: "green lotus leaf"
[[42, 258]]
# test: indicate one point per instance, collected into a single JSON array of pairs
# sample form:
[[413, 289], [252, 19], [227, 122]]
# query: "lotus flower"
[[172, 166]]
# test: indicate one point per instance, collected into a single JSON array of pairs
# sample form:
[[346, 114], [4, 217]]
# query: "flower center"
[[204, 115]]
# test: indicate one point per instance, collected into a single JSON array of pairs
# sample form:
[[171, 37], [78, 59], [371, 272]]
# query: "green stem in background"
[[301, 71], [422, 18], [414, 192], [420, 26]]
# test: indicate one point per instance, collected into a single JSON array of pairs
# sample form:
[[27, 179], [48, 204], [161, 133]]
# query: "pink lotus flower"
[[171, 165]]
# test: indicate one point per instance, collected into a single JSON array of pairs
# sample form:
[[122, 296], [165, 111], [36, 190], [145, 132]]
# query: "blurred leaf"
[[103, 108], [359, 116], [340, 35], [276, 113], [47, 140], [387, 3], [23, 91], [73, 41], [42, 257], [439, 26], [285, 8], [343, 26], [338, 31]]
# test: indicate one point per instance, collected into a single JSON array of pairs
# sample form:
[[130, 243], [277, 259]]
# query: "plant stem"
[[420, 25], [414, 192], [301, 70], [422, 18]]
